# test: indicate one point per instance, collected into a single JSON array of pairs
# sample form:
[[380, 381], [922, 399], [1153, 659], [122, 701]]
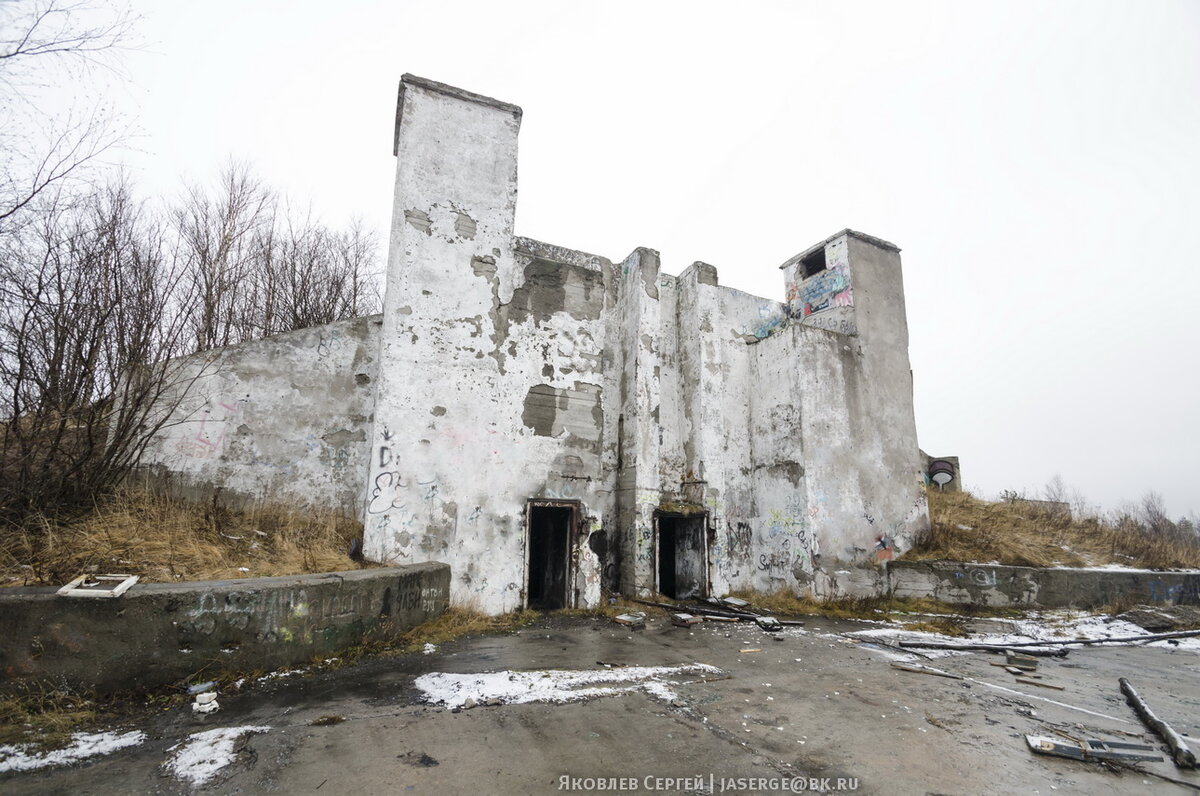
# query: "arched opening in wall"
[[681, 555], [551, 535]]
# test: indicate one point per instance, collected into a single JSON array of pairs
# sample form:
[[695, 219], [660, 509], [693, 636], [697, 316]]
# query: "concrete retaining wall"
[[163, 633], [280, 420], [1031, 587]]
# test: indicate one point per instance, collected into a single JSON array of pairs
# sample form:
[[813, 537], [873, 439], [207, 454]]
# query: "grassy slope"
[[965, 528], [165, 540]]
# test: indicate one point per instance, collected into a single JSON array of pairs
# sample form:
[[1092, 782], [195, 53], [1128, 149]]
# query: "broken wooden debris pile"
[[1091, 749], [719, 609]]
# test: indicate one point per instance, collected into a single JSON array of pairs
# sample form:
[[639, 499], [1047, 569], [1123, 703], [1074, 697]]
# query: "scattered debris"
[[936, 722], [938, 645], [634, 621], [919, 669], [83, 745], [1163, 618], [1031, 713], [755, 649], [686, 620], [201, 687], [423, 759], [206, 702], [326, 721], [1183, 757], [205, 753], [1029, 645], [1020, 661], [769, 624], [89, 586], [1145, 772], [702, 610], [1040, 684], [1092, 750], [429, 649]]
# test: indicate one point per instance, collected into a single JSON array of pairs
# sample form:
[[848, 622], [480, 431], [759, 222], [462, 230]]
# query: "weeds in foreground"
[[459, 621], [44, 715]]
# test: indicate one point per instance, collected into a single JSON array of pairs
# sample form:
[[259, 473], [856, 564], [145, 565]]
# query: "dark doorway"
[[682, 569], [549, 556]]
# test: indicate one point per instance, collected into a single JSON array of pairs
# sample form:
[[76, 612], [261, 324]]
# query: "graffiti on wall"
[[737, 539], [216, 418], [828, 289], [790, 535], [1186, 592]]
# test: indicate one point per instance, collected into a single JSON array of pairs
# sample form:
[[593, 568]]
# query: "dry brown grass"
[[459, 621], [43, 715], [965, 528], [168, 540]]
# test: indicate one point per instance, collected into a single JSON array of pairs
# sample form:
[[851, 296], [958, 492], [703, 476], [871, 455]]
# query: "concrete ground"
[[812, 705]]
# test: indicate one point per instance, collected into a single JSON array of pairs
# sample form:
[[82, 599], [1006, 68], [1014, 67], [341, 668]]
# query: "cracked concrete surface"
[[811, 704]]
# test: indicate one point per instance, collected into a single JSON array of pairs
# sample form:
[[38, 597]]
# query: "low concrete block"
[[162, 633], [1034, 587]]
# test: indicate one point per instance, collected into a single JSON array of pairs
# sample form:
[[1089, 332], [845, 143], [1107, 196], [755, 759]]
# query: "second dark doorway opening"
[[549, 556], [681, 556]]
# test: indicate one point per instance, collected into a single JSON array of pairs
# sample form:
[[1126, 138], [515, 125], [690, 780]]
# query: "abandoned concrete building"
[[554, 424]]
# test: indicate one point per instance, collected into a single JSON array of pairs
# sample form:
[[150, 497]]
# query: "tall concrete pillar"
[[450, 263]]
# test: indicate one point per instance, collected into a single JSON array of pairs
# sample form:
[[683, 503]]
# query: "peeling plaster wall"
[[508, 373], [492, 362], [280, 420]]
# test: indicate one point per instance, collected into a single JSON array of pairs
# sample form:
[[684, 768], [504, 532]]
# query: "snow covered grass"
[[552, 685], [23, 757], [203, 754], [1039, 626]]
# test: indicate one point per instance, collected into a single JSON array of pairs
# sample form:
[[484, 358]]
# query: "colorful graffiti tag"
[[826, 290]]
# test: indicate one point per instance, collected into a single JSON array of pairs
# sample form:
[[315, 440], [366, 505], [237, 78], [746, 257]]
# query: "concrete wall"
[[282, 420], [1029, 587], [510, 374], [158, 634]]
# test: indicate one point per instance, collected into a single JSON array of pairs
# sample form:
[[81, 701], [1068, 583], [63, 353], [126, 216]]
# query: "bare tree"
[[88, 330], [317, 276], [256, 270], [223, 234], [44, 43], [1055, 490]]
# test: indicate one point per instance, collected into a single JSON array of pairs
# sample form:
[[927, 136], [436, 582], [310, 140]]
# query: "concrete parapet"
[[1034, 587], [162, 633]]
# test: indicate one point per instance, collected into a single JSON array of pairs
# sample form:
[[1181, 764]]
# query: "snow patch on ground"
[[552, 685], [82, 746], [203, 754], [1044, 626], [282, 673]]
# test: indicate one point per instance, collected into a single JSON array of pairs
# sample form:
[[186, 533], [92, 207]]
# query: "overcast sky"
[[1036, 163]]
